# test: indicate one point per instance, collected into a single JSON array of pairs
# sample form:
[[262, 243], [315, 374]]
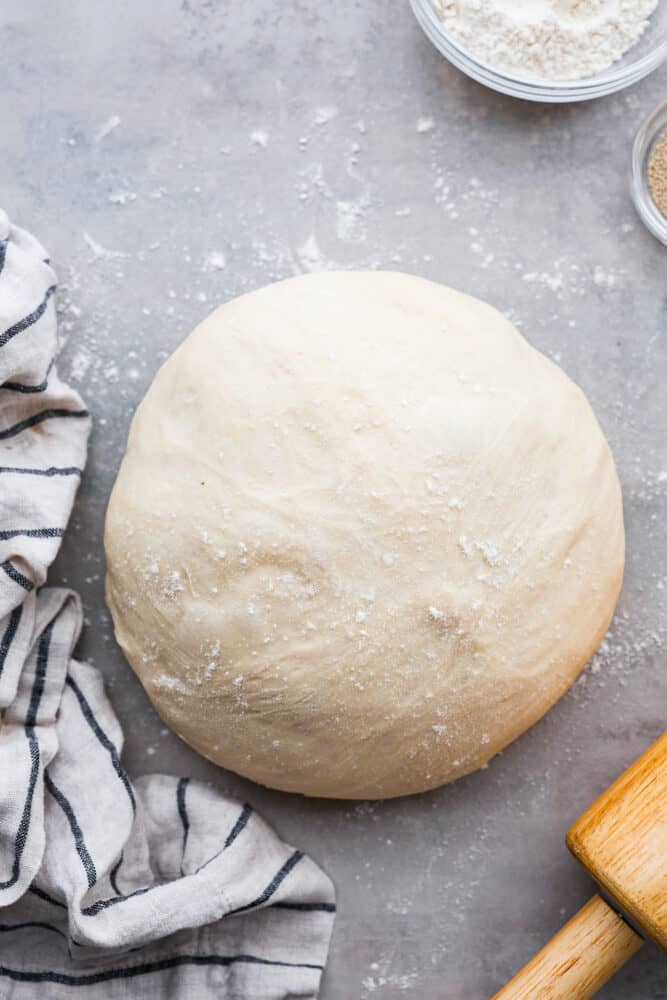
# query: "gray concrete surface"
[[293, 135]]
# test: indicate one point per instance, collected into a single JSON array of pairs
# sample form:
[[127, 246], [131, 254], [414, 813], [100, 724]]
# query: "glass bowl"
[[649, 52], [647, 136]]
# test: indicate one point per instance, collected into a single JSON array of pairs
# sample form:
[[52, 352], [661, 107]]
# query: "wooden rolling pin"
[[622, 841]]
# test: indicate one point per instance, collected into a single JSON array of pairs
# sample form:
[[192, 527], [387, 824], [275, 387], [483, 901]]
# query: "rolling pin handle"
[[579, 960]]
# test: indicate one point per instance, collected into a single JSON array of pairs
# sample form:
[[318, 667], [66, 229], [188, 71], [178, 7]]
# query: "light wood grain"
[[622, 840], [579, 960]]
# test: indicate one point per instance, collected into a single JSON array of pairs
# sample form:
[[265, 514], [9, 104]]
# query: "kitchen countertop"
[[146, 144]]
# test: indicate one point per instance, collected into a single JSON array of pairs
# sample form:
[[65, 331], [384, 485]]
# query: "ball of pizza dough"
[[363, 536]]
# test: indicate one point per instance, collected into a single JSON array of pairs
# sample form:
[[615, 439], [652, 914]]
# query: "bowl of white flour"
[[549, 50]]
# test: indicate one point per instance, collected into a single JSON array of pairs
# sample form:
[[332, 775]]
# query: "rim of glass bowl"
[[649, 131], [548, 91]]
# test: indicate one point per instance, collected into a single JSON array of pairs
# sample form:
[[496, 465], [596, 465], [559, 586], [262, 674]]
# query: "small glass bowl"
[[649, 52], [646, 139]]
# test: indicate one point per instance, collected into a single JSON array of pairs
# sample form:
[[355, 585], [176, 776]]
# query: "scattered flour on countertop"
[[107, 127], [604, 279], [79, 365], [552, 281], [121, 197], [310, 258], [325, 115], [350, 220], [214, 261], [100, 252], [406, 981], [309, 255], [548, 39], [569, 277]]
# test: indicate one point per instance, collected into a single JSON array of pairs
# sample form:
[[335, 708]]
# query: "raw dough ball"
[[363, 536]]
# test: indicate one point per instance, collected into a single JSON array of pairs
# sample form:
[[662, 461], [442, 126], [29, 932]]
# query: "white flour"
[[548, 39]]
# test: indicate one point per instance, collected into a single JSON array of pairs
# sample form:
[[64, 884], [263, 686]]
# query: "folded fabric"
[[109, 888]]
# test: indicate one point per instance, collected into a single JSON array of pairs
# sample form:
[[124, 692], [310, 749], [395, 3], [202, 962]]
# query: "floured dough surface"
[[363, 536]]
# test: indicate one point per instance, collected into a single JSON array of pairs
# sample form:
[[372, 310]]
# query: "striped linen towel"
[[109, 888]]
